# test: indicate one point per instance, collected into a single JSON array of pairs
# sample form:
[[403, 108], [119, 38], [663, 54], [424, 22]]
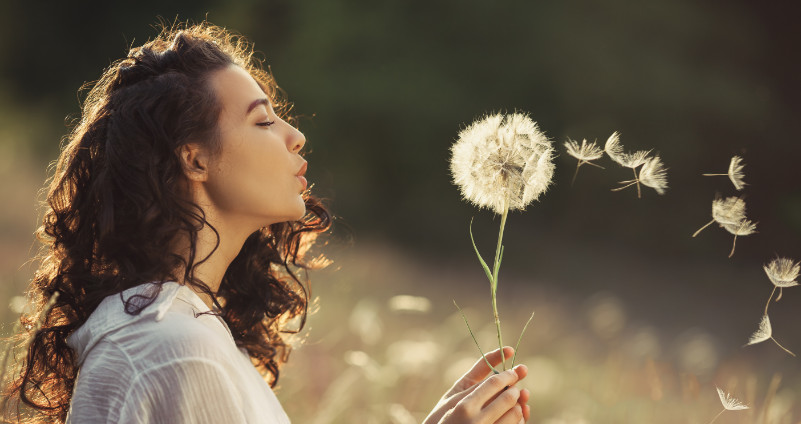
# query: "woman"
[[177, 213]]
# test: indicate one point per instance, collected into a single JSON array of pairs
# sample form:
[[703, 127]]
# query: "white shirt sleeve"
[[186, 390]]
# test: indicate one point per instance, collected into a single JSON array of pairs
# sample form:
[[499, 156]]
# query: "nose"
[[296, 140]]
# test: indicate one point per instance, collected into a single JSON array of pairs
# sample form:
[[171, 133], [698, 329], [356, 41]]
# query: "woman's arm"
[[474, 398]]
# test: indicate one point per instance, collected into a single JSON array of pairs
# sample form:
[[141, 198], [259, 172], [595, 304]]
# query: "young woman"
[[177, 213]]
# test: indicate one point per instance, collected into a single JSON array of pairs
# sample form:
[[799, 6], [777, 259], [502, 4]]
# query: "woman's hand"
[[477, 399]]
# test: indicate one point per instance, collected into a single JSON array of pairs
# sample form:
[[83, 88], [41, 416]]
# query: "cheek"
[[244, 184], [248, 180]]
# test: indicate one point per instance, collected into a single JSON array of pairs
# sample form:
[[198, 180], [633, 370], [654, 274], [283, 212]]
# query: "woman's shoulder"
[[176, 325]]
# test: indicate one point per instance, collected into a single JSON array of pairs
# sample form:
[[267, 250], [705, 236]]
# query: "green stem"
[[476, 341], [521, 338], [496, 267]]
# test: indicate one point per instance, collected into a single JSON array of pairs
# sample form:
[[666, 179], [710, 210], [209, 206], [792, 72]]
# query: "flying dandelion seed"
[[782, 272], [729, 404], [584, 153], [654, 174], [763, 333], [615, 151], [502, 162], [743, 228], [735, 173], [730, 210]]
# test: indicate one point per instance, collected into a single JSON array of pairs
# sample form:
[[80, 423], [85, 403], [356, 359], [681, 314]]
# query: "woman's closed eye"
[[265, 124]]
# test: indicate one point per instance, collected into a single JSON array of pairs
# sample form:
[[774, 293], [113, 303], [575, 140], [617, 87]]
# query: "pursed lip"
[[302, 171], [300, 174]]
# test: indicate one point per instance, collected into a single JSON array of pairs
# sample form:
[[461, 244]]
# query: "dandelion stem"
[[781, 290], [630, 183], [637, 181], [716, 416], [702, 228], [733, 244], [783, 348], [575, 174], [496, 267], [476, 341], [771, 297], [521, 338]]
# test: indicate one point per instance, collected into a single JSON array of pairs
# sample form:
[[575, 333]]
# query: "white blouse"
[[165, 366]]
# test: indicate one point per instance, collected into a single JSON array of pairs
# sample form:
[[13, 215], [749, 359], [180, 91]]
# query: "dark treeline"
[[382, 89]]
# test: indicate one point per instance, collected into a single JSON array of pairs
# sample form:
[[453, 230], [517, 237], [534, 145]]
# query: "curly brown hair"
[[115, 206]]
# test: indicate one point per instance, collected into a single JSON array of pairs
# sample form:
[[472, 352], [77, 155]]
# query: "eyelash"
[[265, 124]]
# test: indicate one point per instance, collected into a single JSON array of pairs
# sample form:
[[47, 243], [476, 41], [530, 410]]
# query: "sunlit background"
[[636, 321]]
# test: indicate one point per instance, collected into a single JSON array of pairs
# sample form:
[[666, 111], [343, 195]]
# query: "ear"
[[195, 161]]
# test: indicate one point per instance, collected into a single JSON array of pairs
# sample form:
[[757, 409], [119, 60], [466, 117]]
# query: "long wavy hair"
[[115, 206]]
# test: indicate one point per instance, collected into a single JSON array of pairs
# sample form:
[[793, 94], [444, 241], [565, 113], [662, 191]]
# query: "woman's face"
[[256, 178]]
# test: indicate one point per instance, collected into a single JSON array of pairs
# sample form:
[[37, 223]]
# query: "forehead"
[[236, 89]]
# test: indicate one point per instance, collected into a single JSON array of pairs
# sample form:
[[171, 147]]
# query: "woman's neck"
[[211, 258]]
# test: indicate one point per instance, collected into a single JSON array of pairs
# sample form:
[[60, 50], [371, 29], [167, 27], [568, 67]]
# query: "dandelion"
[[653, 174], [729, 213], [615, 151], [743, 228], [584, 153], [765, 332], [730, 210], [782, 272], [735, 173], [729, 404], [503, 163]]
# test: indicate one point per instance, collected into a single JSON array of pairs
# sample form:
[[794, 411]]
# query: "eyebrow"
[[258, 102]]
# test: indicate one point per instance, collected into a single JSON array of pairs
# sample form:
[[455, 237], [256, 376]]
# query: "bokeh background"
[[635, 320]]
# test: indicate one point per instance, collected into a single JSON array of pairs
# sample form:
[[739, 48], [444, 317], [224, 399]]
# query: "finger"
[[522, 372], [522, 401], [480, 369], [512, 416], [500, 407], [488, 389]]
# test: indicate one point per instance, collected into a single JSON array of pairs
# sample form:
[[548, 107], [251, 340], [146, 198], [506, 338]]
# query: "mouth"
[[300, 176]]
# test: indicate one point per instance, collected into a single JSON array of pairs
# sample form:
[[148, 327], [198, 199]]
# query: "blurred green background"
[[382, 88]]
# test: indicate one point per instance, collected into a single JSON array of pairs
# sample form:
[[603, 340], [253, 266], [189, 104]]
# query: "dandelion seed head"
[[615, 151], [736, 172], [743, 228], [783, 272], [730, 210], [729, 402], [500, 159], [764, 332], [654, 174], [585, 152]]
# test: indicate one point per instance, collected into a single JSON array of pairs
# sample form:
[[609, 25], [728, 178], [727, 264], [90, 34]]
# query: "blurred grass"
[[590, 359]]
